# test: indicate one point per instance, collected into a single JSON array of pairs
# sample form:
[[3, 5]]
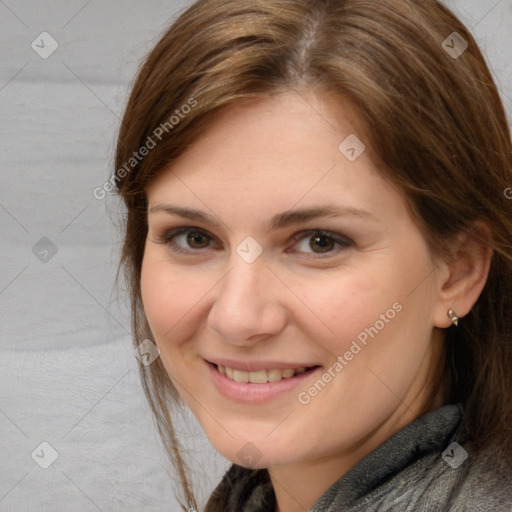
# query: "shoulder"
[[435, 483], [482, 485], [475, 484]]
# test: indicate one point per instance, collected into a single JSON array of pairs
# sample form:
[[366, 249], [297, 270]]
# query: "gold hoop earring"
[[453, 317]]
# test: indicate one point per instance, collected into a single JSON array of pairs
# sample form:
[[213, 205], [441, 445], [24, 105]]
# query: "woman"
[[318, 242]]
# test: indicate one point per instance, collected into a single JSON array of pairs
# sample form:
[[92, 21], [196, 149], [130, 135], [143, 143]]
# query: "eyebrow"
[[278, 221]]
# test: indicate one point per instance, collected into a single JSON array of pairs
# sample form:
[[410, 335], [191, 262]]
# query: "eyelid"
[[168, 234], [334, 236]]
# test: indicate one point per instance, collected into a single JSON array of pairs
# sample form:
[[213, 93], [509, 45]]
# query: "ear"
[[463, 277]]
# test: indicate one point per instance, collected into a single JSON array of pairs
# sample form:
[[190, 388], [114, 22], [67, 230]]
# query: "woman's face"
[[272, 247]]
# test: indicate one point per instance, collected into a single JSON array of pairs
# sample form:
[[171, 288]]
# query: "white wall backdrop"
[[68, 377]]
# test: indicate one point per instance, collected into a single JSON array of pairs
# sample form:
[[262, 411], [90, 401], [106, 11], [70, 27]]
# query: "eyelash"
[[167, 238]]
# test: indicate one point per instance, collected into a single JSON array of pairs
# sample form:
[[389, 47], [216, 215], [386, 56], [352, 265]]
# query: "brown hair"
[[434, 121]]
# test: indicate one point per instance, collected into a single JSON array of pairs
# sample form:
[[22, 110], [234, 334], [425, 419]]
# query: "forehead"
[[277, 151]]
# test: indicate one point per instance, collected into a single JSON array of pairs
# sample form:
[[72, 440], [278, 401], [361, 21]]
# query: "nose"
[[248, 306]]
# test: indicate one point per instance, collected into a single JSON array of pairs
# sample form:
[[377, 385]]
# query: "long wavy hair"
[[433, 119]]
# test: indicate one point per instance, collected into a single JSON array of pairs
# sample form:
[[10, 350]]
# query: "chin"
[[256, 455]]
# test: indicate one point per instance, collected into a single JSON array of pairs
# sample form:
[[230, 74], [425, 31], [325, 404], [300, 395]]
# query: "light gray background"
[[68, 376]]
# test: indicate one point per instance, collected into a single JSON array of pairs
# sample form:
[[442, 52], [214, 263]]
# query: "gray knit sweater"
[[416, 470]]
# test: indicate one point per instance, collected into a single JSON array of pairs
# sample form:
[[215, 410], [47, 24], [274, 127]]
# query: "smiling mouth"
[[262, 376]]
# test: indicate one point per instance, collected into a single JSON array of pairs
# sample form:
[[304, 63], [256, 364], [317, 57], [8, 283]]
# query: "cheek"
[[342, 306], [365, 310], [168, 297]]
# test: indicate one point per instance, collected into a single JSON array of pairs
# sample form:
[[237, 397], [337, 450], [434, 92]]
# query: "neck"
[[297, 487]]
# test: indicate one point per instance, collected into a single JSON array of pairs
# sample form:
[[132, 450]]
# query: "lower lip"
[[247, 392]]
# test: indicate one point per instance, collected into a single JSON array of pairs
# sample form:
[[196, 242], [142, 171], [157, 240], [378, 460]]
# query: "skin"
[[295, 302]]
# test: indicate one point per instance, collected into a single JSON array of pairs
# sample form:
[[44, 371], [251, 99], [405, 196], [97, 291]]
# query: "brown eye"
[[322, 242], [187, 240], [197, 240]]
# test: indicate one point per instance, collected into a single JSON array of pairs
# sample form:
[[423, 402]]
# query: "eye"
[[319, 242], [193, 240], [186, 239]]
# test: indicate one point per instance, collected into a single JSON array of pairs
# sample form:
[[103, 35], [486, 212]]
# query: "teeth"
[[262, 376], [274, 375], [241, 376], [258, 377]]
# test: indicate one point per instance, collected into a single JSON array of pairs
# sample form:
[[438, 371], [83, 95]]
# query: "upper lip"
[[255, 366]]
